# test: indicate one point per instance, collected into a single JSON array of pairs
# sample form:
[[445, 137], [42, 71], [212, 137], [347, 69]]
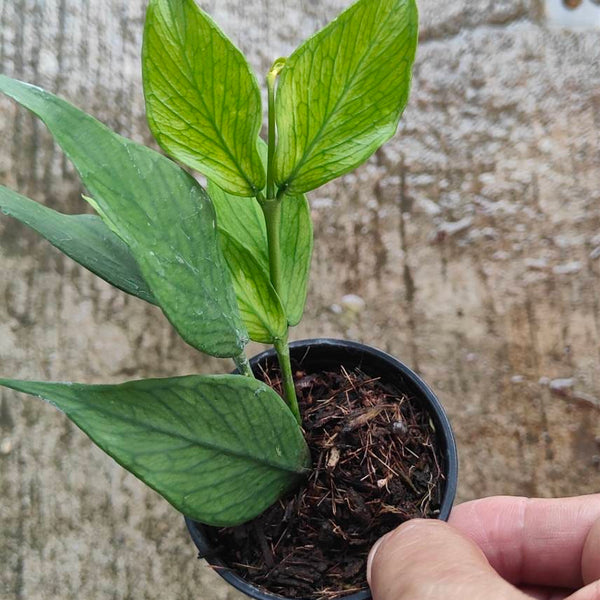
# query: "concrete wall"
[[473, 239]]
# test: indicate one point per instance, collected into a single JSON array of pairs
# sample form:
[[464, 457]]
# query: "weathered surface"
[[473, 239]]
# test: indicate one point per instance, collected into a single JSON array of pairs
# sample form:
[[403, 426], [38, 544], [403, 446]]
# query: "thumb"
[[429, 560], [590, 558]]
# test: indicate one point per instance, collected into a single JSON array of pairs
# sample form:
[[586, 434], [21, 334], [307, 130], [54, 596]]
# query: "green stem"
[[272, 211], [271, 207], [283, 354], [243, 365]]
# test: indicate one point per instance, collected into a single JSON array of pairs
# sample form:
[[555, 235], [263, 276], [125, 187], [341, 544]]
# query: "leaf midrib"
[[164, 431]]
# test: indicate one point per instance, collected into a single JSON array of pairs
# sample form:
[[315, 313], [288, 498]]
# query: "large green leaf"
[[243, 220], [159, 211], [341, 93], [219, 448], [84, 238], [202, 99], [258, 301]]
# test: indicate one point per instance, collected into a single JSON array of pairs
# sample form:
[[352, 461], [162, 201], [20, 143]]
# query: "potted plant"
[[291, 467]]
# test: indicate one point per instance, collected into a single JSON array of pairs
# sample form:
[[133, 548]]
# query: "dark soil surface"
[[375, 465]]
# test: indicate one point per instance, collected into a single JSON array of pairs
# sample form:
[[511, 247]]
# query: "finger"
[[544, 593], [589, 592], [429, 560], [590, 559], [531, 541]]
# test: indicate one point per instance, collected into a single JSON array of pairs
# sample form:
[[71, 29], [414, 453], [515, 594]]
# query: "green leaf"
[[84, 238], [219, 448], [258, 301], [202, 99], [296, 239], [341, 93], [159, 211], [243, 220]]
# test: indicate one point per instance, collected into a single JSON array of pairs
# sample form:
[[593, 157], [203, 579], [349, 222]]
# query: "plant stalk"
[[243, 365], [272, 212], [289, 390], [271, 207]]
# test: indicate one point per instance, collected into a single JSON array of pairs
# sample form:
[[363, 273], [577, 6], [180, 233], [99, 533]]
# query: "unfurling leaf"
[[219, 448]]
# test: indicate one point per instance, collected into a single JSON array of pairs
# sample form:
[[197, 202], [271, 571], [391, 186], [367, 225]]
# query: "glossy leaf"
[[84, 238], [258, 301], [341, 93], [219, 448], [243, 220], [161, 213], [202, 99]]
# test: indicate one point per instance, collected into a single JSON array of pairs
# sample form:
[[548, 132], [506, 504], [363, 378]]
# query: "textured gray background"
[[473, 239]]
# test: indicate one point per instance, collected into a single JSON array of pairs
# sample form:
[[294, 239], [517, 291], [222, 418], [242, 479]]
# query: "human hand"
[[499, 548]]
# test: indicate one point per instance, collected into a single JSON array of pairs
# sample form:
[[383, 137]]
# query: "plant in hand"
[[226, 265]]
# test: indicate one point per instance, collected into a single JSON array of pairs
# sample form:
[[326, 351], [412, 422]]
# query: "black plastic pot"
[[325, 354]]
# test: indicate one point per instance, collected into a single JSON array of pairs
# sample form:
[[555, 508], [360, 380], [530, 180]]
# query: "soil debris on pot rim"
[[375, 465]]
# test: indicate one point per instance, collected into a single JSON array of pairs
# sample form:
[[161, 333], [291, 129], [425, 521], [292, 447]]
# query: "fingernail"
[[372, 556]]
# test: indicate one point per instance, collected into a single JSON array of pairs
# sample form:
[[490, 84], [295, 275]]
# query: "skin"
[[499, 548]]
